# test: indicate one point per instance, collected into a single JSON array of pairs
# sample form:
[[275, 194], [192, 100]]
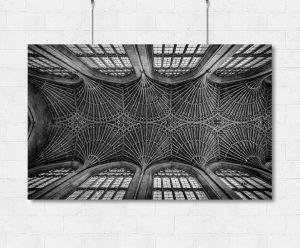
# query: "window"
[[39, 63], [107, 59], [43, 179], [246, 186], [111, 184], [174, 184], [248, 57], [176, 60]]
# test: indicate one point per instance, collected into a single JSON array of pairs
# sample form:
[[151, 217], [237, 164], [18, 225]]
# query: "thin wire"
[[207, 22], [93, 4]]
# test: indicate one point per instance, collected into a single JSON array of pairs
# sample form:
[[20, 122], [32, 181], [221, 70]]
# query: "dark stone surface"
[[42, 116]]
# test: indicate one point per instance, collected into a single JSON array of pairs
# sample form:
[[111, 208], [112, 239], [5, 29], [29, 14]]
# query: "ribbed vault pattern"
[[146, 122], [145, 100], [195, 101]]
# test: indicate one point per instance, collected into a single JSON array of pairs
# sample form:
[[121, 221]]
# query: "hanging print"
[[150, 122]]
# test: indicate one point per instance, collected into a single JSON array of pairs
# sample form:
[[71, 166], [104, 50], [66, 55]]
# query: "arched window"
[[109, 184], [246, 185], [42, 179], [176, 184]]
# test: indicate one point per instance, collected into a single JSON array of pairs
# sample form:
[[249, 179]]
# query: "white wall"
[[41, 224]]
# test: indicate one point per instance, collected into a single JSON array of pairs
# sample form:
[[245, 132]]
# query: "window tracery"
[[43, 179], [110, 184], [245, 185], [247, 58], [108, 59], [175, 184], [44, 65], [175, 60]]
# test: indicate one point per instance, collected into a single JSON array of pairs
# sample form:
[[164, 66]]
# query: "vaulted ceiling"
[[153, 103]]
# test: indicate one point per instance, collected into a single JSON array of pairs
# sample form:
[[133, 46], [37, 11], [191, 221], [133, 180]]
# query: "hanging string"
[[93, 5], [207, 21]]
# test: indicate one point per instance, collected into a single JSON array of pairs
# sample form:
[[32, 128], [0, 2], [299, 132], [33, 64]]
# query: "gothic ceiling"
[[146, 104]]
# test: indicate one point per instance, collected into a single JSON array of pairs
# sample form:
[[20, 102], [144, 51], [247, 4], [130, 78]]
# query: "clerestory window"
[[245, 185], [175, 184], [43, 179], [110, 184]]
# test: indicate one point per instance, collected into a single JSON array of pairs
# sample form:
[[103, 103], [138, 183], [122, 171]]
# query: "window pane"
[[46, 178], [86, 195], [157, 195], [119, 49], [117, 182], [168, 49], [108, 49], [245, 186], [166, 182], [107, 59], [250, 195], [179, 195], [268, 193], [107, 182], [257, 185], [243, 182], [191, 48], [97, 195], [226, 182], [190, 195], [88, 182], [179, 49], [157, 182], [261, 195], [201, 195], [172, 61], [98, 182], [234, 182], [245, 59], [176, 184], [262, 182], [75, 195], [126, 182], [168, 195], [108, 195], [184, 183], [194, 183], [97, 49], [241, 195], [119, 195], [106, 185], [157, 49]]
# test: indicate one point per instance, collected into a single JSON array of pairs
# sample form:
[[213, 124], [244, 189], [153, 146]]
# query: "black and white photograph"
[[150, 122]]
